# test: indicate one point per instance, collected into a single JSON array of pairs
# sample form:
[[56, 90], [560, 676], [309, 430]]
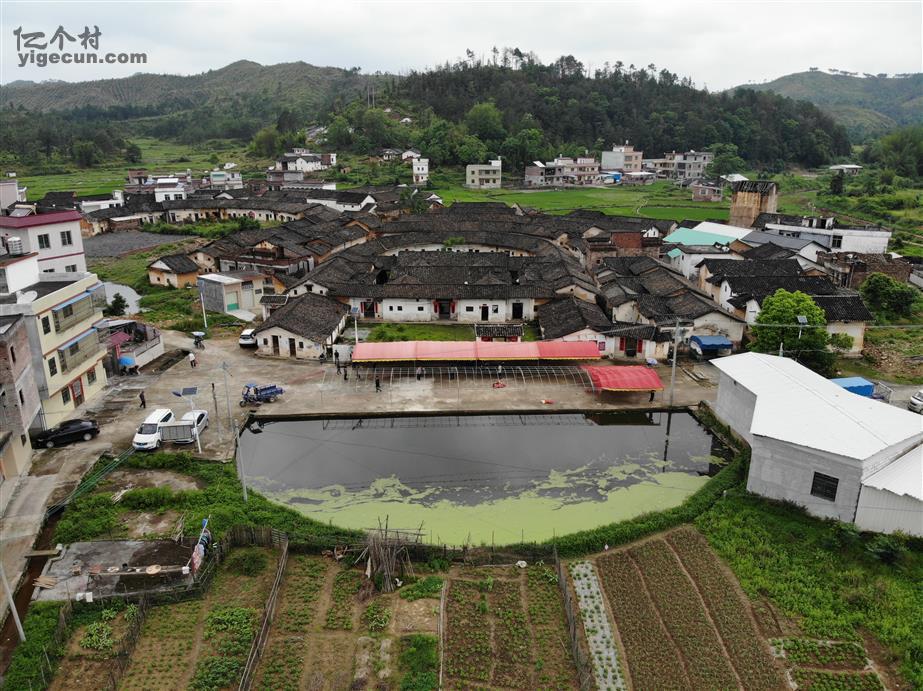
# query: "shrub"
[[430, 586], [887, 549], [98, 636], [247, 562]]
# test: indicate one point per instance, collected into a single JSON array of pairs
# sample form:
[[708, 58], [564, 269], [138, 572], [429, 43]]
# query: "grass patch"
[[386, 333], [95, 515]]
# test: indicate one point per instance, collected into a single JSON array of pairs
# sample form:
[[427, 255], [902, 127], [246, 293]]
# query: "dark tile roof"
[[310, 315], [724, 268], [498, 330], [560, 318], [768, 250], [178, 263], [646, 332], [761, 186], [759, 237], [843, 306], [276, 300], [745, 288]]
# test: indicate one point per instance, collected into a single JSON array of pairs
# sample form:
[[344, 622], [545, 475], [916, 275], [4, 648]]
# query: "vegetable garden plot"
[[684, 616], [748, 653], [651, 657], [340, 615], [507, 630], [200, 643], [603, 649], [282, 661], [822, 680]]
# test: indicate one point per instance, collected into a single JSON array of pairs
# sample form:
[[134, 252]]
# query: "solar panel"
[[190, 391]]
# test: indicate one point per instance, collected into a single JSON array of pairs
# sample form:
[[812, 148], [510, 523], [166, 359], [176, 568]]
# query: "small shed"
[[858, 385], [710, 346]]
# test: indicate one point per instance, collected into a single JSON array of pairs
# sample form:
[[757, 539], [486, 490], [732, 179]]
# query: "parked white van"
[[148, 435]]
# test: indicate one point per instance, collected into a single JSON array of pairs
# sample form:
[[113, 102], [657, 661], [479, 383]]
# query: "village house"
[[219, 179], [483, 176], [687, 258], [62, 313], [420, 171], [711, 271], [54, 236], [563, 172], [509, 333], [846, 168], [850, 269], [236, 293], [173, 270], [749, 199], [570, 319], [410, 155], [20, 403], [868, 472], [303, 328], [692, 164], [706, 191], [622, 158], [827, 231]]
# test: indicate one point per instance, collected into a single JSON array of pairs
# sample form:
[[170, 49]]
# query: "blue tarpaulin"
[[711, 342], [857, 385]]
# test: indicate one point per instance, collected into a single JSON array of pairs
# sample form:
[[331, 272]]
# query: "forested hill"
[[656, 111], [285, 85], [867, 106]]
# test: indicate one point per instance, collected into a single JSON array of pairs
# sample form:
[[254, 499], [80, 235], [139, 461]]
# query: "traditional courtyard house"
[[139, 208], [638, 341], [805, 249], [619, 236], [483, 176], [712, 271], [570, 319], [225, 179], [410, 155], [813, 443], [55, 237], [20, 403], [304, 163], [174, 270], [303, 328], [341, 200], [687, 258], [63, 316]]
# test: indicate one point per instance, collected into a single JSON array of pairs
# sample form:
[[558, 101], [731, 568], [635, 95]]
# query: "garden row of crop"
[[603, 649], [684, 616], [281, 665], [512, 638], [468, 651], [554, 663], [822, 680], [345, 586], [166, 647], [826, 654], [747, 652], [653, 662]]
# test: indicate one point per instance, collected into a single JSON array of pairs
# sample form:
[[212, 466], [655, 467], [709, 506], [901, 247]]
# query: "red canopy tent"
[[624, 378], [455, 351]]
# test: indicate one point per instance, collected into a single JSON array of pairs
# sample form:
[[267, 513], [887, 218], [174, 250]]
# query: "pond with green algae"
[[483, 479]]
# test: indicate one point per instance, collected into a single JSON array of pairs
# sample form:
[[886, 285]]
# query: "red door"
[[77, 392]]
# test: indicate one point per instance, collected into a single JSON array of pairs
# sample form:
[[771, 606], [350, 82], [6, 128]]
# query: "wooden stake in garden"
[[386, 553]]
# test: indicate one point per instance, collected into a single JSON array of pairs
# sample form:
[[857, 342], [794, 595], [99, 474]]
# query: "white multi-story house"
[[420, 171], [54, 237], [63, 318], [623, 158], [168, 189], [483, 175], [225, 179]]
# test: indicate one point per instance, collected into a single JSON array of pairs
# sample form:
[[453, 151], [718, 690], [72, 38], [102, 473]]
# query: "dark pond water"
[[501, 478]]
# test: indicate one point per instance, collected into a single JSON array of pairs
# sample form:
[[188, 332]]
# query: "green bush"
[[98, 636], [247, 562], [28, 659], [429, 586], [419, 663], [147, 498]]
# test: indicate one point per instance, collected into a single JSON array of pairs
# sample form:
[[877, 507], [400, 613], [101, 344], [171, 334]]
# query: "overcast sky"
[[717, 44]]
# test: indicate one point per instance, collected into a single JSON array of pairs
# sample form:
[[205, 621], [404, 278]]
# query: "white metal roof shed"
[[796, 405], [901, 477]]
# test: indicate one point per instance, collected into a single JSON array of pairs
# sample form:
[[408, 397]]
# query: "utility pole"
[[202, 303], [240, 463], [9, 597], [356, 328], [217, 414], [227, 394], [673, 366]]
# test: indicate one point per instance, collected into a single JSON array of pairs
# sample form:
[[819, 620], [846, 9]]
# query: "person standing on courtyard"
[[377, 384], [143, 399], [192, 360]]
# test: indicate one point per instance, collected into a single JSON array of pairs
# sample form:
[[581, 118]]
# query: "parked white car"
[[147, 437], [247, 339], [199, 420], [916, 402]]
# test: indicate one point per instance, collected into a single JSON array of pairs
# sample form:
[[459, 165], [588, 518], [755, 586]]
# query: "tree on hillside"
[[266, 142], [726, 161], [338, 134], [287, 121], [888, 297], [485, 121], [836, 185], [777, 326], [133, 153], [85, 153], [520, 149], [470, 150]]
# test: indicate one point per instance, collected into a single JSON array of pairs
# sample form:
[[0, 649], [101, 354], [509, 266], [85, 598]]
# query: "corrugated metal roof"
[[902, 477]]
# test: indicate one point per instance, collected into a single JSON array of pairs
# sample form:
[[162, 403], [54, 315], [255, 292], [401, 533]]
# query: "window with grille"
[[824, 486]]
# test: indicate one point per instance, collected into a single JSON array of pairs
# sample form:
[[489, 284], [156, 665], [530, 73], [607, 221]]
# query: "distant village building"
[[850, 269], [751, 198], [173, 270], [846, 168], [483, 176], [622, 158], [420, 171], [410, 155], [706, 192], [225, 180], [563, 172]]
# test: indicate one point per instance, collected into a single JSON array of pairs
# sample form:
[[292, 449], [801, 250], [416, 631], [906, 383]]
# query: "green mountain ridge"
[[867, 106]]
